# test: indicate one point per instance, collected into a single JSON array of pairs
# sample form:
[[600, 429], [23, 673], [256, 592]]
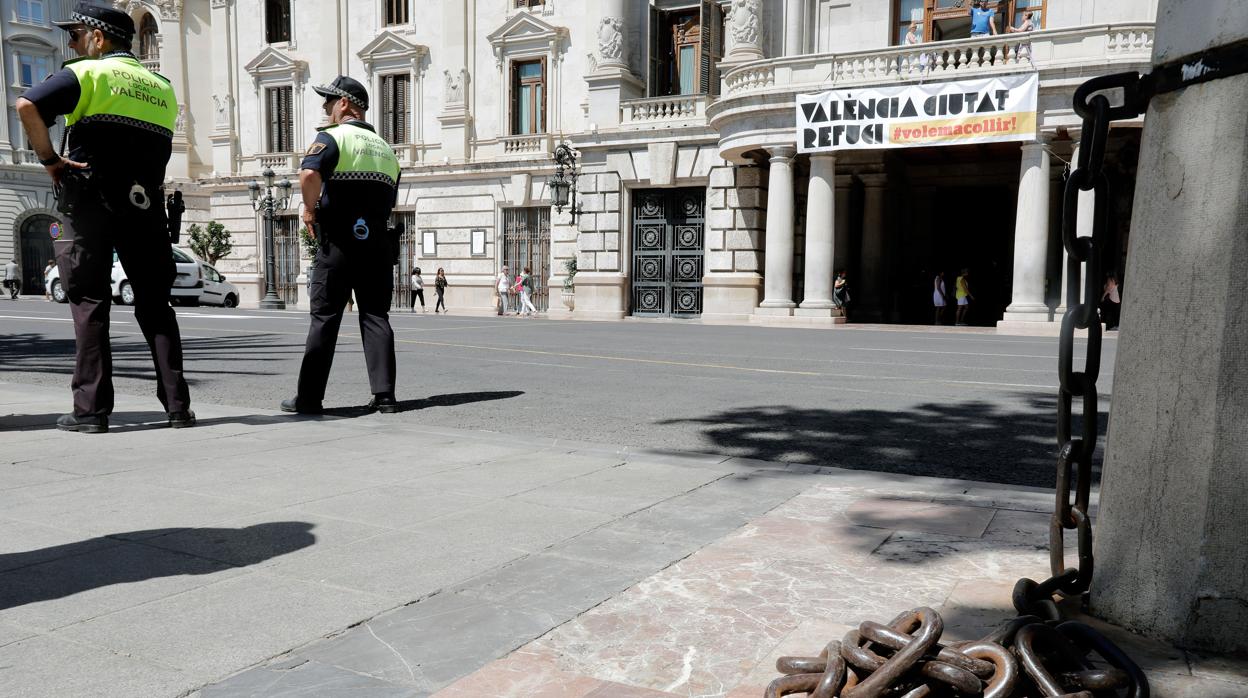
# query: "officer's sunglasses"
[[75, 34]]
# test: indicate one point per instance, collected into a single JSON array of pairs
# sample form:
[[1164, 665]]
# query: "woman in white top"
[[939, 298], [418, 290], [500, 284]]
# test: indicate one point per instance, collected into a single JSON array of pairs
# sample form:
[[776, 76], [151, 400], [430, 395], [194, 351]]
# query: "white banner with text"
[[990, 110]]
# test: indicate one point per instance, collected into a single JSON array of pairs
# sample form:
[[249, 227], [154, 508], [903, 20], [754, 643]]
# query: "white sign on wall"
[[990, 110]]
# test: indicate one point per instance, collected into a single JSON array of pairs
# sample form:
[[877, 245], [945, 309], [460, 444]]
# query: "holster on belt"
[[174, 207], [73, 191]]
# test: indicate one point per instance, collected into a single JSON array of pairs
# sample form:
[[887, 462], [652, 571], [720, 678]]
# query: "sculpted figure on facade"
[[455, 84], [611, 40], [222, 107]]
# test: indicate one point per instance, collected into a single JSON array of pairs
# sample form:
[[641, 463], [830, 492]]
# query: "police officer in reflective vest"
[[120, 119], [349, 180]]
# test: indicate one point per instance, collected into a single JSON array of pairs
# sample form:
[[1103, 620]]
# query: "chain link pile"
[[1037, 653]]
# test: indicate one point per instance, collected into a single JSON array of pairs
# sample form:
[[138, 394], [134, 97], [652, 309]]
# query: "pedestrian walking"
[[500, 286], [12, 279], [120, 119], [418, 291], [962, 289], [1111, 302], [840, 293], [526, 292], [47, 277], [349, 181], [439, 287], [939, 297]]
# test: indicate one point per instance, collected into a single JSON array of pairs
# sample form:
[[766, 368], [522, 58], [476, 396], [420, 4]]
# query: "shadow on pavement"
[[122, 422], [52, 573], [448, 400], [971, 440]]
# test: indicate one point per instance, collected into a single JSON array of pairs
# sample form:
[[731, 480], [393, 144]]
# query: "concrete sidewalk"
[[262, 554]]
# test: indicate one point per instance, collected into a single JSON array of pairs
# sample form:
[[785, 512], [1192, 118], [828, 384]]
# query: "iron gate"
[[36, 251], [668, 233], [286, 258], [409, 258], [526, 243]]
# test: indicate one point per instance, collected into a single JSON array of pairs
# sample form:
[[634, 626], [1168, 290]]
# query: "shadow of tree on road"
[[972, 440]]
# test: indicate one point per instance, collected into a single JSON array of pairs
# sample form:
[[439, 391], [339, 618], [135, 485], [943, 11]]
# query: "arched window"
[[277, 21], [149, 48]]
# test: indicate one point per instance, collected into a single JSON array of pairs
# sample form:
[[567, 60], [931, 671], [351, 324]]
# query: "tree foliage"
[[212, 243]]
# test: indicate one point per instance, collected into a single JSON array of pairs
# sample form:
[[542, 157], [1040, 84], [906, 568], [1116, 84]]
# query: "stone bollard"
[[1172, 543]]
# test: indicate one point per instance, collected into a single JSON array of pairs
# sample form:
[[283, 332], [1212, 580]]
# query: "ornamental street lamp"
[[267, 204], [563, 184]]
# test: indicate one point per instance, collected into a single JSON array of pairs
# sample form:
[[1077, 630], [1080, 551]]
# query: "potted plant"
[[569, 286]]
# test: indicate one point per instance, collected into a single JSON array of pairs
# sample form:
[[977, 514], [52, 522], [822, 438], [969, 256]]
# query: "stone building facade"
[[693, 200]]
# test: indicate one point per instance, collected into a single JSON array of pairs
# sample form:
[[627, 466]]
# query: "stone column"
[[612, 81], [1170, 556], [455, 117], [820, 232], [868, 292], [223, 101], [794, 21], [172, 66], [745, 28], [778, 265], [1031, 238]]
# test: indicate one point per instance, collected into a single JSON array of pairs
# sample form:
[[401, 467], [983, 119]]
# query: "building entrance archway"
[[36, 250]]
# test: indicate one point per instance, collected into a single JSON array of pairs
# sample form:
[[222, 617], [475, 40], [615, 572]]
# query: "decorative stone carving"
[[222, 107], [611, 40], [167, 9], [179, 125], [456, 86], [745, 27]]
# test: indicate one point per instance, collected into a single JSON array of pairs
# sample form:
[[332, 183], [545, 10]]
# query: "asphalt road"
[[951, 403]]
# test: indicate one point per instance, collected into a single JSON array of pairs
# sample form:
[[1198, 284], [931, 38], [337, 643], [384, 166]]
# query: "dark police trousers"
[[86, 263], [341, 267]]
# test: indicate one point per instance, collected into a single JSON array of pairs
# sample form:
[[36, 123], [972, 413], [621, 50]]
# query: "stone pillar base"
[[834, 313], [600, 296], [766, 311], [730, 297], [609, 86]]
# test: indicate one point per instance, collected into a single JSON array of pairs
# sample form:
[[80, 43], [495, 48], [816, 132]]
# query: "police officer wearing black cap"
[[120, 119], [349, 180]]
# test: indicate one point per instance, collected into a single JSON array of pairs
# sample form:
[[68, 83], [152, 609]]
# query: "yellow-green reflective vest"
[[362, 156], [118, 89]]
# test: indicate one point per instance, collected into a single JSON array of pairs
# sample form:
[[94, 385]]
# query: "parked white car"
[[218, 291], [187, 285]]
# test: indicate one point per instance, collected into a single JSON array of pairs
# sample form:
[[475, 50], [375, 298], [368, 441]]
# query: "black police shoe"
[[384, 403], [85, 425], [182, 419], [302, 407]]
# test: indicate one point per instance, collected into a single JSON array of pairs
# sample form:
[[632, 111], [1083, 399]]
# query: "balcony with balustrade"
[[758, 98]]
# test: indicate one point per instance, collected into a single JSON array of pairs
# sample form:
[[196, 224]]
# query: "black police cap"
[[112, 22], [347, 88]]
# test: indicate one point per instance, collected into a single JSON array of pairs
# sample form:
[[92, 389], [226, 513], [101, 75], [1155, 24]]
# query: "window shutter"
[[515, 97], [716, 29], [705, 17], [544, 104], [652, 87], [387, 109], [402, 101]]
